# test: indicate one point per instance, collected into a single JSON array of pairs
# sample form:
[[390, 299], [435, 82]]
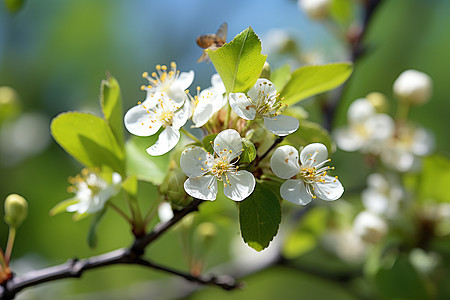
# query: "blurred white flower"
[[157, 111], [204, 169], [345, 244], [382, 195], [413, 87], [311, 175], [315, 9], [366, 129], [262, 101], [26, 136], [370, 227], [403, 150], [92, 191]]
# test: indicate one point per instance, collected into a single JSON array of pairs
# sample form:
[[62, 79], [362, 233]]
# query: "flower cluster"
[[398, 142], [169, 105]]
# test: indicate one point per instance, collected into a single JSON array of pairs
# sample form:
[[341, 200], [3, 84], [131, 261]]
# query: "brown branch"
[[76, 267]]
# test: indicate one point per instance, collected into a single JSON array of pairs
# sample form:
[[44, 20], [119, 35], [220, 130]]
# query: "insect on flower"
[[212, 41]]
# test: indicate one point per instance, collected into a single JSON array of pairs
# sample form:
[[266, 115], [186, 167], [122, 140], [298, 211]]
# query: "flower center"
[[220, 169], [162, 78], [267, 105], [166, 117]]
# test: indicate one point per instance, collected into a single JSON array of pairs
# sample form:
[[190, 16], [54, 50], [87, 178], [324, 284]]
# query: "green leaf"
[[111, 104], [308, 133], [239, 62], [89, 139], [249, 153], [14, 6], [130, 186], [307, 233], [281, 76], [259, 217], [145, 167], [431, 184], [92, 234], [342, 11], [401, 281], [311, 80], [207, 142], [61, 206]]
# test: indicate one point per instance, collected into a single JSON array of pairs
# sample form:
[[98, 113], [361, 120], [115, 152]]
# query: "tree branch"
[[76, 267]]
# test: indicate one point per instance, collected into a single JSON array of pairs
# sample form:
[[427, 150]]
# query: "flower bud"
[[370, 227], [413, 87], [173, 187], [16, 210], [379, 102], [9, 103], [265, 72], [315, 9], [206, 231]]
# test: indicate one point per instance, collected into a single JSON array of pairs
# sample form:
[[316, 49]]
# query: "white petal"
[[165, 212], [360, 110], [284, 162], [139, 121], [228, 143], [281, 125], [374, 201], [313, 154], [241, 184], [242, 106], [204, 188], [294, 191], [348, 139], [202, 113], [181, 116], [262, 85], [167, 140], [217, 83], [423, 142], [177, 90], [380, 127], [195, 162], [329, 190]]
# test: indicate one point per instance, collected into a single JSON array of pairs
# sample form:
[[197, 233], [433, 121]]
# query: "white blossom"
[[206, 103], [366, 130], [205, 169], [92, 192], [413, 87], [262, 101], [315, 9], [370, 227], [307, 180], [172, 82], [157, 111], [402, 152]]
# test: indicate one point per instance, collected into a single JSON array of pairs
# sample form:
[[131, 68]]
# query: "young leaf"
[[146, 167], [92, 234], [89, 139], [259, 217], [249, 153], [207, 140], [281, 76], [308, 133], [111, 104], [311, 80], [239, 62]]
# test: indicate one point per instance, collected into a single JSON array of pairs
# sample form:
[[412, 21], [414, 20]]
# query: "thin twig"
[[260, 158]]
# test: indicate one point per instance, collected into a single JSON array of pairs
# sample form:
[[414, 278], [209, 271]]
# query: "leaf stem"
[[120, 212], [190, 135], [10, 244], [227, 118]]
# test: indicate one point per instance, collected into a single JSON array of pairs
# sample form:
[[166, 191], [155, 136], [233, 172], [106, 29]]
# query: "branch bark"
[[76, 267]]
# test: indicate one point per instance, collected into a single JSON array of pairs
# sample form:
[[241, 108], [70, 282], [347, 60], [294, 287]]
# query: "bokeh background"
[[54, 54]]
